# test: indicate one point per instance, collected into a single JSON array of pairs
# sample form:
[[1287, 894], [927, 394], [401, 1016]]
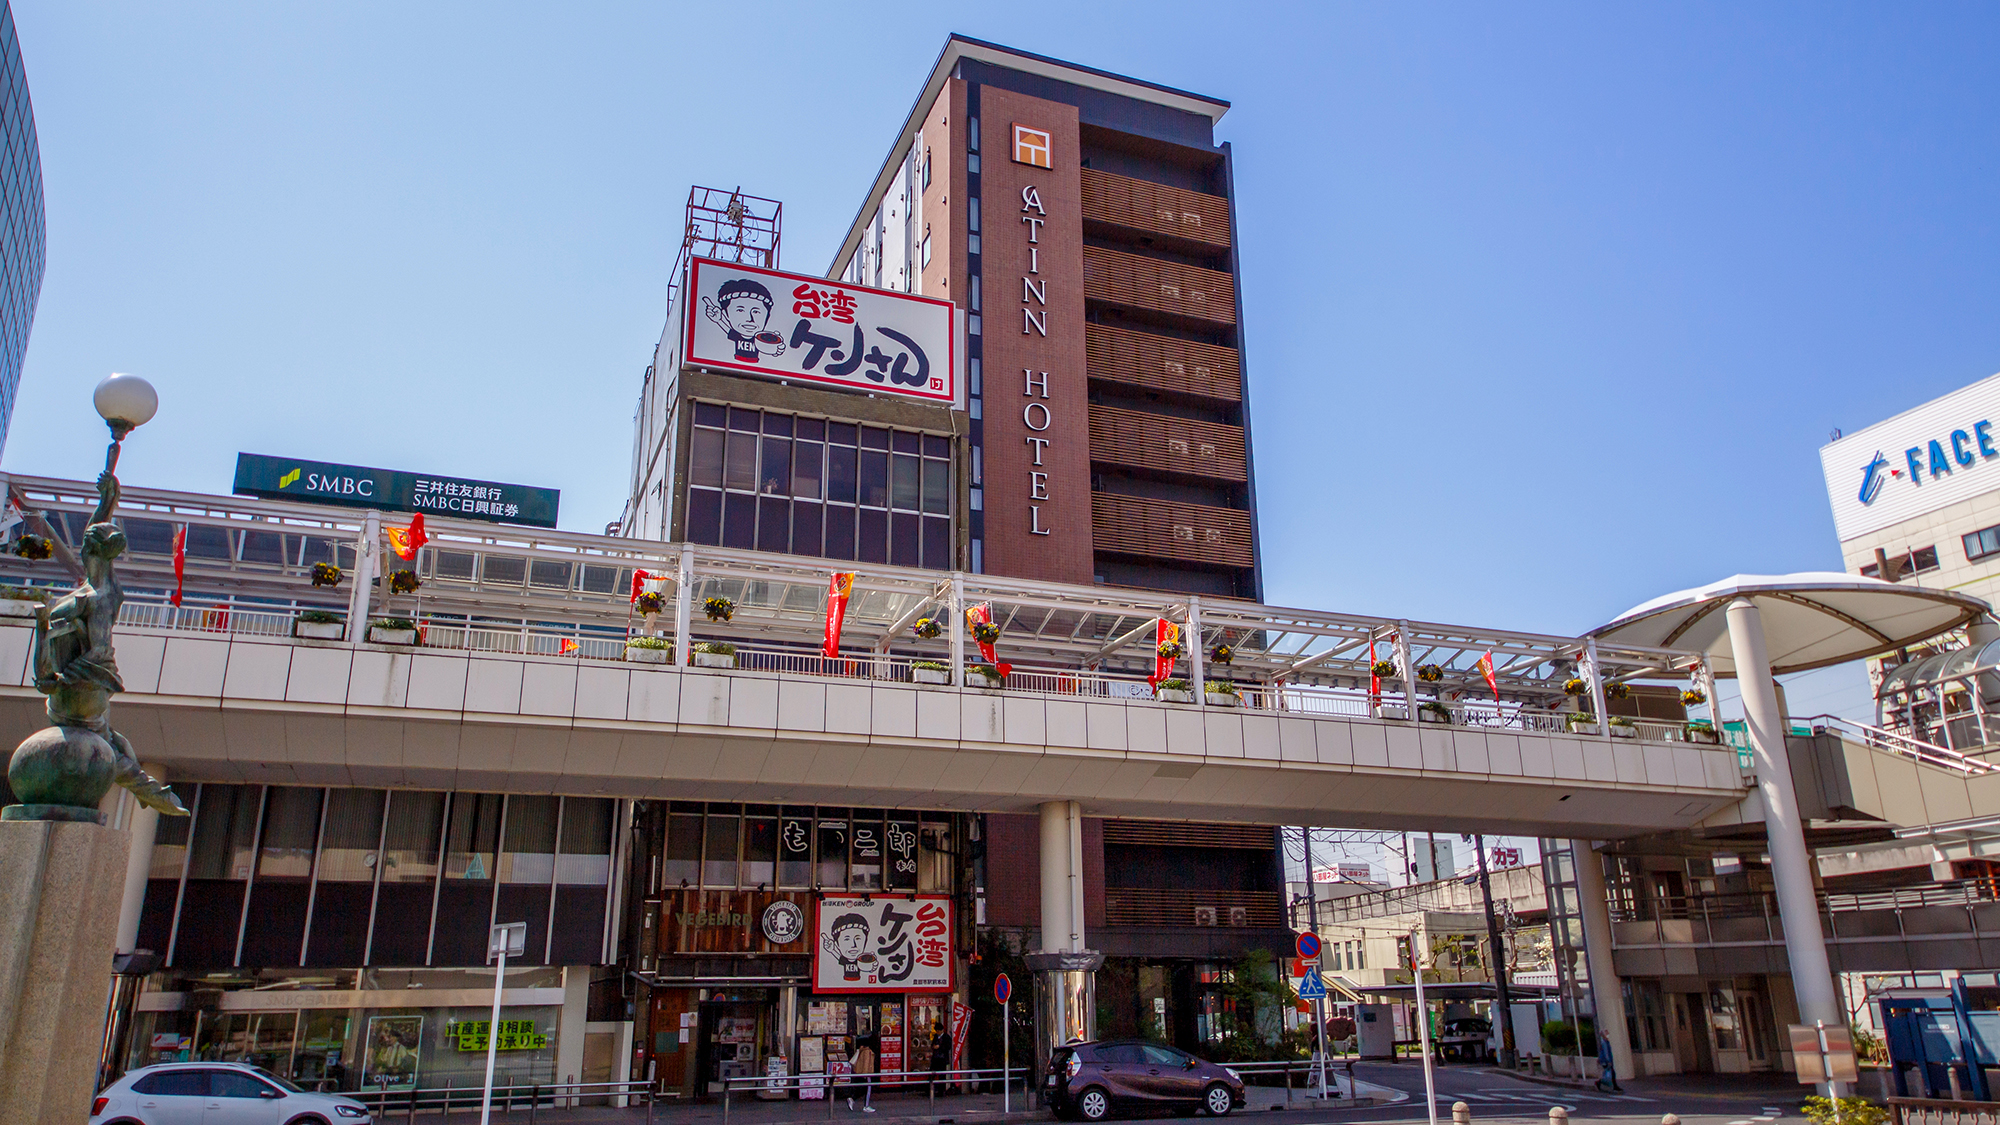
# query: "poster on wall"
[[887, 944], [391, 1055], [812, 330]]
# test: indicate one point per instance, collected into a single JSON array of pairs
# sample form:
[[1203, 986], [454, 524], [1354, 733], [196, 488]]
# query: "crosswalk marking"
[[1536, 1097]]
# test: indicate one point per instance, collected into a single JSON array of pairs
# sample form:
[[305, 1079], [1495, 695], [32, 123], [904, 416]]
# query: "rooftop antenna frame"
[[728, 226]]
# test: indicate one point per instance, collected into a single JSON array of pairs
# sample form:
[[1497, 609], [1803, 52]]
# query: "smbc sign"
[[390, 490]]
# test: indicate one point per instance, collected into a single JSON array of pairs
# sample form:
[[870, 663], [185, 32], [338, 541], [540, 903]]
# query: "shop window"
[[1918, 561], [832, 870], [474, 836], [760, 851], [681, 866], [1646, 1016], [291, 831], [718, 867], [1722, 1016], [585, 858], [865, 870], [169, 847], [934, 871], [225, 832], [529, 854], [900, 846], [1982, 544], [795, 855], [410, 847]]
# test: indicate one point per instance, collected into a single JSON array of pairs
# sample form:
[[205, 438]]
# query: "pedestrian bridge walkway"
[[522, 677]]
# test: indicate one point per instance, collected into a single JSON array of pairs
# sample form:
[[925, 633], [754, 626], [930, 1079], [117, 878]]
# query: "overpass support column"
[[1607, 994], [1784, 826], [1065, 971]]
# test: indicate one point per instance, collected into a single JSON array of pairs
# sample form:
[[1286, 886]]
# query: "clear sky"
[[1548, 307]]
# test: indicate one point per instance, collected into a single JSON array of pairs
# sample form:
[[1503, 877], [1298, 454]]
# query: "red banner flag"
[[836, 611], [180, 563], [982, 614], [639, 580], [1167, 648], [406, 541], [1374, 681], [1486, 669], [568, 646]]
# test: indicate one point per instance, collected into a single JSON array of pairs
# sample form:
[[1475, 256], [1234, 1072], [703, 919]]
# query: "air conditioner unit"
[[1239, 916], [1204, 915]]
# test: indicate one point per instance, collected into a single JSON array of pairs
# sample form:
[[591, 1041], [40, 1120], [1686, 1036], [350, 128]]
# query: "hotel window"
[[924, 254], [1918, 561], [1982, 544], [761, 480], [927, 167]]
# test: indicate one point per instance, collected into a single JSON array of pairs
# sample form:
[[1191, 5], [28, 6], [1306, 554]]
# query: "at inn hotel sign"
[[391, 490]]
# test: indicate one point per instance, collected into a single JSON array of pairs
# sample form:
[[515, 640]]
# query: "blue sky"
[[1549, 306]]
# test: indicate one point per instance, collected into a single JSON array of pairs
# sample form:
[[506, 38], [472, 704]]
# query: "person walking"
[[1607, 1066]]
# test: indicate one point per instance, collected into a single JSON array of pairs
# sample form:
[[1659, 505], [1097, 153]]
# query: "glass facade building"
[[23, 227]]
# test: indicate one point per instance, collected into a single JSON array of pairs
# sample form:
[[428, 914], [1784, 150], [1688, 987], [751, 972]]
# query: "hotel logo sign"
[[1032, 147]]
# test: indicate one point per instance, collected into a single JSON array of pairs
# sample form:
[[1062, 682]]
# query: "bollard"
[[1951, 1073], [649, 1105], [1558, 1115], [412, 1115], [1461, 1114], [1670, 1119], [725, 1101], [534, 1101]]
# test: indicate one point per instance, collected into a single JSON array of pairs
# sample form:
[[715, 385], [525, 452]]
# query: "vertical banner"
[[836, 611], [1486, 669], [406, 542], [180, 564], [982, 615], [1167, 650], [961, 1022]]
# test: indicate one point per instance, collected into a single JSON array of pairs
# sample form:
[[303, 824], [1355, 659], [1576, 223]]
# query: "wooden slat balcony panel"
[[1167, 287], [1136, 439], [1167, 529], [1143, 205], [1162, 363], [1149, 906], [1166, 833]]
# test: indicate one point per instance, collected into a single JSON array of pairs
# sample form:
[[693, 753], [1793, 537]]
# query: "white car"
[[217, 1093]]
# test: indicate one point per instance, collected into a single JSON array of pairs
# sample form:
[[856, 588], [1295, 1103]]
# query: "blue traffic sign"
[[1312, 986], [1308, 946], [1003, 988]]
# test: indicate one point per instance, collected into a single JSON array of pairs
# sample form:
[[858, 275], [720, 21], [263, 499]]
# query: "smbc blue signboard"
[[388, 490]]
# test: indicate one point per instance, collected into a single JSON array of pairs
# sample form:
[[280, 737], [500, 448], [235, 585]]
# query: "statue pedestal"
[[60, 886]]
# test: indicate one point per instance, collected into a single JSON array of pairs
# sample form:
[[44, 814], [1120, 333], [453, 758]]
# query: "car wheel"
[[309, 1119], [1093, 1104], [1217, 1101]]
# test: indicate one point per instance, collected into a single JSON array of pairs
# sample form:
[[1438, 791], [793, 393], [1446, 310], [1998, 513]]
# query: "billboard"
[[882, 943], [812, 330], [1930, 457], [391, 490]]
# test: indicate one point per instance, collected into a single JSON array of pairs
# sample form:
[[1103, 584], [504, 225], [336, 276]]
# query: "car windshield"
[[284, 1084]]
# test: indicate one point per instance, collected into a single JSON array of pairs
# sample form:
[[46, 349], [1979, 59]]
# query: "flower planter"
[[1705, 737], [1173, 695], [325, 631], [939, 676], [17, 607], [1624, 732], [1393, 713], [1221, 698], [991, 683], [715, 660], [381, 636], [649, 655], [1432, 717]]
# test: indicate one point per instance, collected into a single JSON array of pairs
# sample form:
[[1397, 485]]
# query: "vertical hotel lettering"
[[1031, 147]]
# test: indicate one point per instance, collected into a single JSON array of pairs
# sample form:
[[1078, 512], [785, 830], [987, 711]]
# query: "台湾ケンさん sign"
[[788, 326], [388, 490], [887, 944]]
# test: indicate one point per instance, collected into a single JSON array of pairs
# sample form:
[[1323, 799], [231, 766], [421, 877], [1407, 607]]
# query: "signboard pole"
[[1424, 1028], [510, 937], [1006, 1062]]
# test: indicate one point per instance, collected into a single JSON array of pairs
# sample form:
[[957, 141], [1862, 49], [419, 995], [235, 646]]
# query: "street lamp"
[[125, 402]]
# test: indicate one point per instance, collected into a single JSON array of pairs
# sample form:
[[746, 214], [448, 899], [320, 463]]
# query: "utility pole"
[[1312, 927], [1503, 1009]]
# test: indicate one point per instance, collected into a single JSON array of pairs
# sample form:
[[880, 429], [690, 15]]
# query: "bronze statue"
[[63, 771]]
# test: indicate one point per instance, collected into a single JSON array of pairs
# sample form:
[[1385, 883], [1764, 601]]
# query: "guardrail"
[[555, 1095], [1943, 1111], [1894, 743], [811, 1087]]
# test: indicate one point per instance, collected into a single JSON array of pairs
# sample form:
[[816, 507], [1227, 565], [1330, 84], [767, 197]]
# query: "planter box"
[[649, 655], [939, 676], [1705, 737], [992, 683], [1173, 695], [1393, 713], [1221, 698], [1624, 732], [320, 630], [381, 636], [17, 607], [1432, 717], [715, 660]]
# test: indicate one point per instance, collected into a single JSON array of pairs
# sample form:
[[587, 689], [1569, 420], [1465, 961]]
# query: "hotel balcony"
[[1158, 286], [1163, 363], [1157, 209], [1164, 443]]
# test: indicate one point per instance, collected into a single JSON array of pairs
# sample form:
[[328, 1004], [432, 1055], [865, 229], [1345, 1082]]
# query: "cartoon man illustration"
[[742, 308], [847, 942]]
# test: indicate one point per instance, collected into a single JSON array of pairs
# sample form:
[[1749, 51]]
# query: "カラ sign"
[[810, 329], [391, 490]]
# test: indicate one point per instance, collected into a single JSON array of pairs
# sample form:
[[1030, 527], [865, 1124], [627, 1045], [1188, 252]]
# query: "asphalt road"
[[1493, 1096]]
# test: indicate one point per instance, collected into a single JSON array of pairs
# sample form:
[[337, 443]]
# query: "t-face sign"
[[787, 326]]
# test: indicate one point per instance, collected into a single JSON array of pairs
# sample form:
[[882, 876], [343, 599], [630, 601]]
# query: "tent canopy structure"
[[1811, 620]]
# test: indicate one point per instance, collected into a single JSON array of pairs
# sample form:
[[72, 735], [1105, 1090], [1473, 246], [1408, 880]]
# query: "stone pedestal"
[[60, 887]]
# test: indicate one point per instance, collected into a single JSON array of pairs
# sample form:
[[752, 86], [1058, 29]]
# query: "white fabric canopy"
[[1811, 620]]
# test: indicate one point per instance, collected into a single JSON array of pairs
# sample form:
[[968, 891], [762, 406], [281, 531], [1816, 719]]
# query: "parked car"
[[1093, 1080], [210, 1093], [1465, 1040]]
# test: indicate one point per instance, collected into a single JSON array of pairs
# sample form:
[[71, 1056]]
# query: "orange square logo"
[[1031, 146]]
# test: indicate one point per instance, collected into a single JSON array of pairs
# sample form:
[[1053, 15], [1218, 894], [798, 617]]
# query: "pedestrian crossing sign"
[[1312, 986]]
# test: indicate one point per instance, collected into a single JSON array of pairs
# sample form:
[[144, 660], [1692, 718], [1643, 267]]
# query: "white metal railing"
[[1901, 744]]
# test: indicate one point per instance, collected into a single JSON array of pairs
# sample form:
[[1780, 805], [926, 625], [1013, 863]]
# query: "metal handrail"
[[825, 1082], [1902, 744], [444, 1099]]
